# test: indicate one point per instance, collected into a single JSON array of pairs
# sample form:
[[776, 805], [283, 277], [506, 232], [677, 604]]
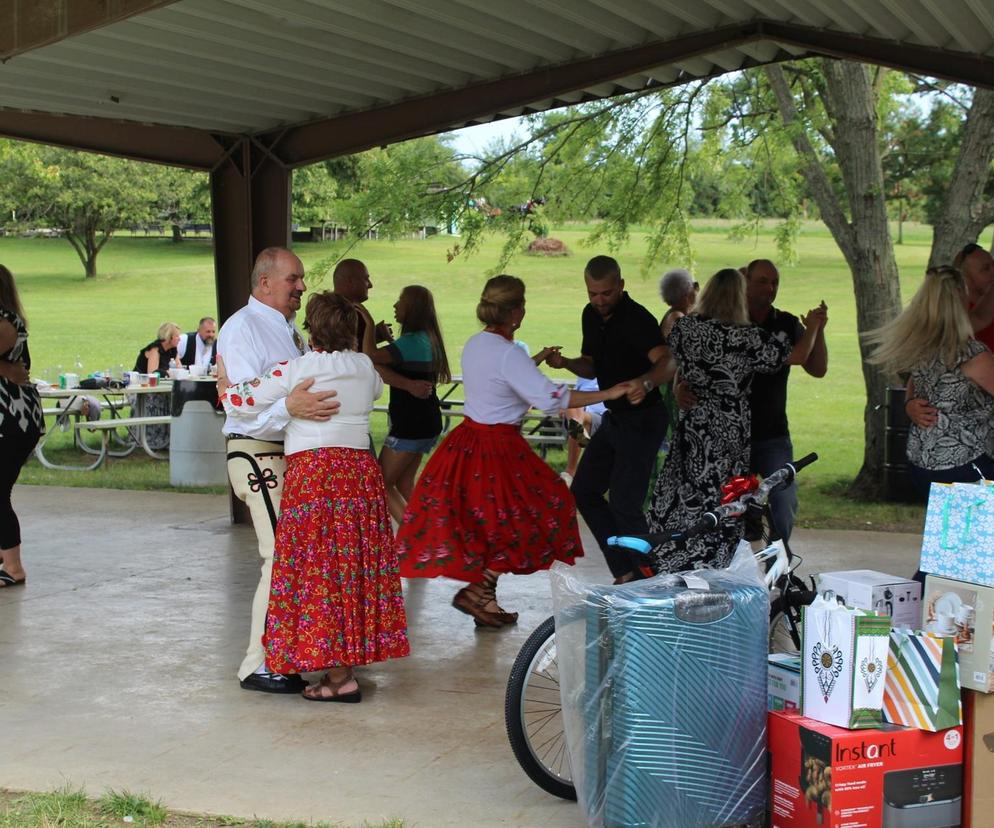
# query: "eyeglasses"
[[942, 270]]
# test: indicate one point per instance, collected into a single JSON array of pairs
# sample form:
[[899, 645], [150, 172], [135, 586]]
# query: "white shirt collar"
[[261, 307]]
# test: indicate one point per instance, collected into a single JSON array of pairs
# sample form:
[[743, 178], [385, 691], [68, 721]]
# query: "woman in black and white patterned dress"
[[717, 351], [21, 423], [932, 340]]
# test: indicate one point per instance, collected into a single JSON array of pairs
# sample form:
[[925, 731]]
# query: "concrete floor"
[[118, 659]]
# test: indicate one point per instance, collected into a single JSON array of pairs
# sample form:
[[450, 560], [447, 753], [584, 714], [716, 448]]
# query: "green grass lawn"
[[71, 808], [144, 282]]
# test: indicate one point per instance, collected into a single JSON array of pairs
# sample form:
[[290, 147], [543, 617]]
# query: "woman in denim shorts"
[[419, 353]]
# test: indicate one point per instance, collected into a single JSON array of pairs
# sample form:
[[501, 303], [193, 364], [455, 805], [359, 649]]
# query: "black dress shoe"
[[273, 683]]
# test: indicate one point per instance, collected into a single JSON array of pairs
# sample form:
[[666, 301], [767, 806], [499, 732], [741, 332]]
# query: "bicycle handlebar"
[[710, 520]]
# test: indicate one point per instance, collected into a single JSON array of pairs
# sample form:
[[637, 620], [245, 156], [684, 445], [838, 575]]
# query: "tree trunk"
[[871, 256], [965, 211], [864, 236], [177, 233]]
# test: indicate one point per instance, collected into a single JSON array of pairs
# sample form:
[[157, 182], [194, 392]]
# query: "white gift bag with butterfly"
[[843, 663]]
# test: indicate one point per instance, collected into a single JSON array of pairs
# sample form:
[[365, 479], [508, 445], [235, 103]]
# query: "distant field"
[[144, 282]]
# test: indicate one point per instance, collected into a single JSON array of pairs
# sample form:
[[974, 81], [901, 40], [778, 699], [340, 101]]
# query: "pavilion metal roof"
[[236, 67]]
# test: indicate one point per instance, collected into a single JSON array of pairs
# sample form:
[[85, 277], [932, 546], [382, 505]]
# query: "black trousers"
[[618, 462], [15, 449]]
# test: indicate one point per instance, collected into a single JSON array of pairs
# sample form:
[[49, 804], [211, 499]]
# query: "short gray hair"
[[266, 261], [675, 284]]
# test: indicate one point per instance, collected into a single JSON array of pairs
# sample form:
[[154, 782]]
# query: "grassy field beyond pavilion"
[[144, 282]]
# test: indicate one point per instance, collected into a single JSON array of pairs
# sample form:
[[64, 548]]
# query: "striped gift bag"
[[922, 685]]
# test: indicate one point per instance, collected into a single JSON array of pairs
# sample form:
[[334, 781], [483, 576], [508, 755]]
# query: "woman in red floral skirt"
[[485, 503], [335, 601]]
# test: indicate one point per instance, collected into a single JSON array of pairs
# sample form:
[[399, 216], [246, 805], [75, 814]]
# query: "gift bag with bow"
[[958, 540], [843, 663], [922, 687]]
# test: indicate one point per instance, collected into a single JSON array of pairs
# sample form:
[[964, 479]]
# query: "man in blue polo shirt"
[[621, 341]]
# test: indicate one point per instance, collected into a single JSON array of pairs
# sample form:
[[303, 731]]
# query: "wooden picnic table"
[[116, 398]]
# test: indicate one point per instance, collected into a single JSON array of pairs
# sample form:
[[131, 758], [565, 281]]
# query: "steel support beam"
[[31, 24], [960, 67], [250, 202], [178, 146], [357, 131]]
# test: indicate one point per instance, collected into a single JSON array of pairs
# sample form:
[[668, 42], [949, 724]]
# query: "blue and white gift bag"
[[958, 541]]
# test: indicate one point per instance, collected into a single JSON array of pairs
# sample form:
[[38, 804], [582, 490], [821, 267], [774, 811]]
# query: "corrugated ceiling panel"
[[249, 65]]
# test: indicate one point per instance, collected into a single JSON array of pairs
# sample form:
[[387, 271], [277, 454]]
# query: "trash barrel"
[[197, 454], [897, 473]]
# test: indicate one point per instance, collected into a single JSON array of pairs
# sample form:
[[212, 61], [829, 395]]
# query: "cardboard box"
[[783, 687], [978, 741], [966, 612], [824, 776], [877, 592]]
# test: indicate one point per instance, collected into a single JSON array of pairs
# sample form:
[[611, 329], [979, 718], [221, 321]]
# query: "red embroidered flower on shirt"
[[235, 399]]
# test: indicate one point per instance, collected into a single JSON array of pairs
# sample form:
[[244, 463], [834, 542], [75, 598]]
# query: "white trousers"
[[256, 469]]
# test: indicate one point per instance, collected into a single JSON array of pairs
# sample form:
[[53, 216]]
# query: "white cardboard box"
[[966, 612], [783, 688], [877, 592]]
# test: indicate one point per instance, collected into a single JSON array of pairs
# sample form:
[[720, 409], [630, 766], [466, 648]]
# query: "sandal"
[[471, 602], [8, 580], [475, 598], [318, 694]]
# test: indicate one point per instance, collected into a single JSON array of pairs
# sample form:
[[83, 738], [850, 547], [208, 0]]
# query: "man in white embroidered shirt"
[[251, 341]]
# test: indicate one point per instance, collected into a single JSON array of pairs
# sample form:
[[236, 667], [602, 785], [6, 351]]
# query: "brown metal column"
[[250, 203]]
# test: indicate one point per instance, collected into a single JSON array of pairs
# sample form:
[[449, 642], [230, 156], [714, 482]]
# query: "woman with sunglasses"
[[933, 341]]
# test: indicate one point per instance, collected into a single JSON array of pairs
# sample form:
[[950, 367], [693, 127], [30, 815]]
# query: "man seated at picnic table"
[[199, 347]]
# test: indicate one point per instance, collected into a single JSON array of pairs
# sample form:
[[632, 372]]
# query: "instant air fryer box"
[[893, 777], [978, 734], [877, 592]]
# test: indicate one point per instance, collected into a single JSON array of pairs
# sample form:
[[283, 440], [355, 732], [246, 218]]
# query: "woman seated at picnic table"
[[335, 602], [160, 354], [157, 357]]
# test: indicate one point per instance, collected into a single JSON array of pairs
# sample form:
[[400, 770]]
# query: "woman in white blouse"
[[485, 503], [335, 601]]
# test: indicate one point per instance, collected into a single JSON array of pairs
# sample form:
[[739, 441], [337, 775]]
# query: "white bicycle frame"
[[774, 563]]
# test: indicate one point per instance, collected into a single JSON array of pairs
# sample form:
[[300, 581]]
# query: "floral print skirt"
[[485, 500], [335, 598]]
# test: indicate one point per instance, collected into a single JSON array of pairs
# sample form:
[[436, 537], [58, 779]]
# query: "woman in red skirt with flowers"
[[485, 503], [335, 601]]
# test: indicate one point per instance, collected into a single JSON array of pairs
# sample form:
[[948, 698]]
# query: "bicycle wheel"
[[533, 714], [785, 615]]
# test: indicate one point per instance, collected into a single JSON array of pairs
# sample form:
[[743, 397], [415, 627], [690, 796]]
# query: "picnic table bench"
[[135, 427]]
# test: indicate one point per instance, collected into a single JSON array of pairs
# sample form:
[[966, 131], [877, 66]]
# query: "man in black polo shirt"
[[621, 341], [771, 444]]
